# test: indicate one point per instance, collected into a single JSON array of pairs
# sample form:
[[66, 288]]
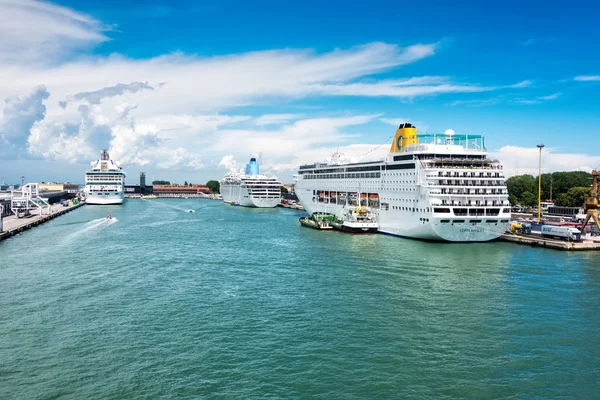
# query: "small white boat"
[[190, 211]]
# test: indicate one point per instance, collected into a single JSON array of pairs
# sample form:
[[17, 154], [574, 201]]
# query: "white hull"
[[412, 225], [103, 200], [239, 195]]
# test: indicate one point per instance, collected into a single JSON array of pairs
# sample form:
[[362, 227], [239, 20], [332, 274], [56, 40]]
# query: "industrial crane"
[[592, 202]]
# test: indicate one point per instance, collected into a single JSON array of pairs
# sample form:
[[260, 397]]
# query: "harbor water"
[[237, 303]]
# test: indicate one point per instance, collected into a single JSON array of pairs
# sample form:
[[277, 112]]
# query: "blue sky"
[[183, 88]]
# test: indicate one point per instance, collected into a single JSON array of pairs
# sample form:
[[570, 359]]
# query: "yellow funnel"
[[406, 135]]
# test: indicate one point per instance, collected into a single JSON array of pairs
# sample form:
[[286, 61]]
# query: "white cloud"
[[475, 102], [538, 100], [524, 160], [228, 162], [171, 110], [97, 96], [35, 31], [587, 78], [19, 116], [276, 119], [522, 84]]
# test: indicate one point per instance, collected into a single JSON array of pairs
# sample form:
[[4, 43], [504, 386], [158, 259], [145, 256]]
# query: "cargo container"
[[561, 232]]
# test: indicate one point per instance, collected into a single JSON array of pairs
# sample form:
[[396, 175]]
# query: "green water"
[[234, 303]]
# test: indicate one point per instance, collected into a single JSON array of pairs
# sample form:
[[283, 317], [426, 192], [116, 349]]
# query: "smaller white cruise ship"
[[104, 181], [250, 189]]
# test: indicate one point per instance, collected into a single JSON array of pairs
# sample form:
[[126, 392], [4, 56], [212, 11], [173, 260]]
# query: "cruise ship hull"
[[103, 200], [412, 225], [237, 195]]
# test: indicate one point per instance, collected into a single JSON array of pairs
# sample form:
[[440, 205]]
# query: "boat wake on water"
[[91, 226]]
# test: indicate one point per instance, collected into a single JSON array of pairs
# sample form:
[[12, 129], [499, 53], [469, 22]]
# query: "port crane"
[[592, 202]]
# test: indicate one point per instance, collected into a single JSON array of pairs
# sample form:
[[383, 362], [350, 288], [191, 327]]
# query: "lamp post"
[[540, 146]]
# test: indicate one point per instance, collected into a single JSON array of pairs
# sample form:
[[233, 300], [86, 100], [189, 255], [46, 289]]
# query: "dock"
[[539, 241], [14, 225]]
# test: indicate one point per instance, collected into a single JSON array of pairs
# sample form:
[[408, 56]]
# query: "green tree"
[[518, 185], [161, 182], [513, 199], [562, 200], [528, 199], [214, 186], [546, 185], [185, 183], [576, 196], [563, 181], [284, 190]]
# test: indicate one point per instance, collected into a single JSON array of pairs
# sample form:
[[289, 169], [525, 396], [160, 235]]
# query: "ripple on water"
[[239, 303]]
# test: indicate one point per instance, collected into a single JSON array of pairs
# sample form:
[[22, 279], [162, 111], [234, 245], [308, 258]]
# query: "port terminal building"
[[180, 190], [141, 189]]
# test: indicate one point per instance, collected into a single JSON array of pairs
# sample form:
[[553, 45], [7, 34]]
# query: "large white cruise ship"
[[104, 181], [250, 189], [435, 187]]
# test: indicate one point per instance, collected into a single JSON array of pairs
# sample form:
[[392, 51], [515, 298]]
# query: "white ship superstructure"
[[433, 187], [104, 181], [250, 189]]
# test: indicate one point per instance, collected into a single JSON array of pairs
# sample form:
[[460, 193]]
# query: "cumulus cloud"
[[524, 160], [36, 31], [19, 115], [228, 162]]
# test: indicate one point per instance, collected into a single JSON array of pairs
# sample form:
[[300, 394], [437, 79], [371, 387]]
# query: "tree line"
[[567, 189]]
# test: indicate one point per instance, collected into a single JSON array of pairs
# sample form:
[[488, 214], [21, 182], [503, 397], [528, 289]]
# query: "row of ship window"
[[467, 174], [471, 211], [114, 178], [474, 221], [467, 183], [469, 191], [362, 175], [411, 209]]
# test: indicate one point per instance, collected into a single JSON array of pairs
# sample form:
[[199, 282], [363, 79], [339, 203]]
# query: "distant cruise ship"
[[433, 186], [251, 189], [104, 181]]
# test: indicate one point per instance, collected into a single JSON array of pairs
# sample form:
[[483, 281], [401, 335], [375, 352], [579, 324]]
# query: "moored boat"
[[321, 221], [356, 220]]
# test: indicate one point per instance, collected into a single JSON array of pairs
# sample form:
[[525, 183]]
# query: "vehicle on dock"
[[321, 221], [520, 228], [356, 220], [561, 232]]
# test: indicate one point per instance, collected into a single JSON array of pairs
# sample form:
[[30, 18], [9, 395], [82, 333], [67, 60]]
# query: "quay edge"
[[549, 243], [35, 221]]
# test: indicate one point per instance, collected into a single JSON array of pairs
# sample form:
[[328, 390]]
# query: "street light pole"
[[540, 146]]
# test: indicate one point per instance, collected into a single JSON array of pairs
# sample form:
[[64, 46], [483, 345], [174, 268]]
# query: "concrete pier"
[[14, 225], [539, 241]]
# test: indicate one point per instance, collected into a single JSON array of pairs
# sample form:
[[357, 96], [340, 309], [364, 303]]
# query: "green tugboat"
[[321, 221]]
